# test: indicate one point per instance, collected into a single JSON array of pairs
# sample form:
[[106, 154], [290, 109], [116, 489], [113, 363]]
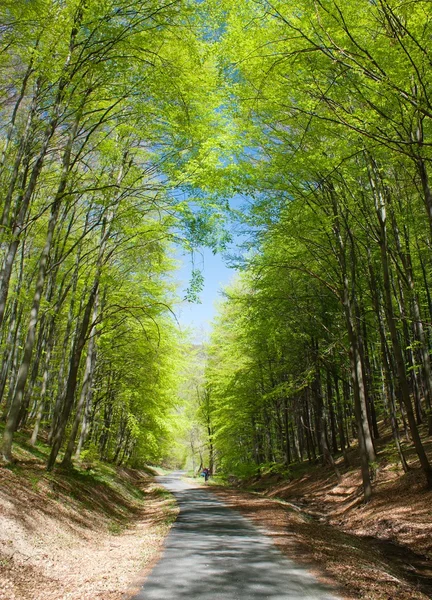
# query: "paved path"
[[213, 553]]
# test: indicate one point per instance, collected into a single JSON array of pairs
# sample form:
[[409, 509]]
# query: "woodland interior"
[[294, 139]]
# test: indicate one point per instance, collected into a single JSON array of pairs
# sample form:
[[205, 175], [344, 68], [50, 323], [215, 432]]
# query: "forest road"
[[213, 553]]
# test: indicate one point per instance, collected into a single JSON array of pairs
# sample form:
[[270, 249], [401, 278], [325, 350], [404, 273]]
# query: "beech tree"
[[127, 126], [101, 119], [333, 105]]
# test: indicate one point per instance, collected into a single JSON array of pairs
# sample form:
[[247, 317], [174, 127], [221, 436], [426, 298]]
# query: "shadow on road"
[[214, 553]]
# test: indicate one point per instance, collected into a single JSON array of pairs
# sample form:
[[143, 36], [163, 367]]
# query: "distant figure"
[[205, 473]]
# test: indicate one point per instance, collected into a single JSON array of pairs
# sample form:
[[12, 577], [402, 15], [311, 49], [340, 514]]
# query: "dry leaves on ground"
[[62, 539], [358, 567]]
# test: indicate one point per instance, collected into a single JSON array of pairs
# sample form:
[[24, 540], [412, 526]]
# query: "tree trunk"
[[391, 322], [73, 376], [366, 449], [85, 391]]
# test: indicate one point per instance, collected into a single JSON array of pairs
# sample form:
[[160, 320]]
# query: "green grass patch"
[[162, 493], [116, 528]]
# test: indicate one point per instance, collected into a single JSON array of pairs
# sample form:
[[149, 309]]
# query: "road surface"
[[213, 553]]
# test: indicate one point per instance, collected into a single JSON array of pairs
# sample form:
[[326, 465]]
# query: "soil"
[[400, 510], [94, 532], [78, 535], [381, 550]]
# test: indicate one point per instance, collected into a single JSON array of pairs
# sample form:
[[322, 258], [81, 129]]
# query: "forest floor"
[[95, 532], [91, 533], [381, 550]]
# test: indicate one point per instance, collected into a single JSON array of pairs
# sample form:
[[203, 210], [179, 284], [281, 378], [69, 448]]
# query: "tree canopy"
[[127, 127]]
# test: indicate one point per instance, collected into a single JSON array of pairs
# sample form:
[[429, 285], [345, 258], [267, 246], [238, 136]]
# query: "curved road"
[[213, 553]]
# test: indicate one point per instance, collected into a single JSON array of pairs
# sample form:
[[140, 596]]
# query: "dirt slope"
[[363, 567], [380, 550], [78, 535]]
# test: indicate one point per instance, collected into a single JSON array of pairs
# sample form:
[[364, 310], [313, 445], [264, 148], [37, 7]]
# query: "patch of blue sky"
[[217, 268]]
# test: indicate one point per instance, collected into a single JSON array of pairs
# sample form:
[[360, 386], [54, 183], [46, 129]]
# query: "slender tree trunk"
[[14, 324], [23, 152], [11, 128], [340, 415], [331, 413], [42, 401], [321, 421], [22, 215], [11, 423], [287, 434], [36, 170], [78, 345], [391, 322], [367, 453], [85, 391]]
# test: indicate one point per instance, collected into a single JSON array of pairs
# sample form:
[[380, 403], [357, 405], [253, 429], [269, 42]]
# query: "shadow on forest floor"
[[388, 539], [108, 493], [84, 532], [363, 565]]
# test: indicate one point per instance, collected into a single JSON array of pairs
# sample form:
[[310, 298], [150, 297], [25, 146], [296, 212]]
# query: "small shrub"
[[90, 455]]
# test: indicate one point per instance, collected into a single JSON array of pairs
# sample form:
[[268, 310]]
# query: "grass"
[[108, 520], [34, 480], [168, 504], [115, 528], [162, 492], [119, 493]]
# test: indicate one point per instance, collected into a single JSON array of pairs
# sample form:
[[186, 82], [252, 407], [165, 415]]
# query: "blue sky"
[[216, 276]]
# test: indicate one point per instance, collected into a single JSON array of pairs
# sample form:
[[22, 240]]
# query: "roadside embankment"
[[380, 550], [82, 534]]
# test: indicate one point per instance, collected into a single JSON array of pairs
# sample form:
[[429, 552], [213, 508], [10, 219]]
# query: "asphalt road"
[[213, 553]]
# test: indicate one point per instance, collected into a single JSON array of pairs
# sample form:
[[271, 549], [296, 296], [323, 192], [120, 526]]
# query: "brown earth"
[[94, 533], [400, 510], [78, 535], [381, 550]]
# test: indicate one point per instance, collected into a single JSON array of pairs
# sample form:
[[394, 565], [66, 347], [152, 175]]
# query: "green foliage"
[[90, 455], [129, 125], [195, 287], [333, 105], [105, 132]]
